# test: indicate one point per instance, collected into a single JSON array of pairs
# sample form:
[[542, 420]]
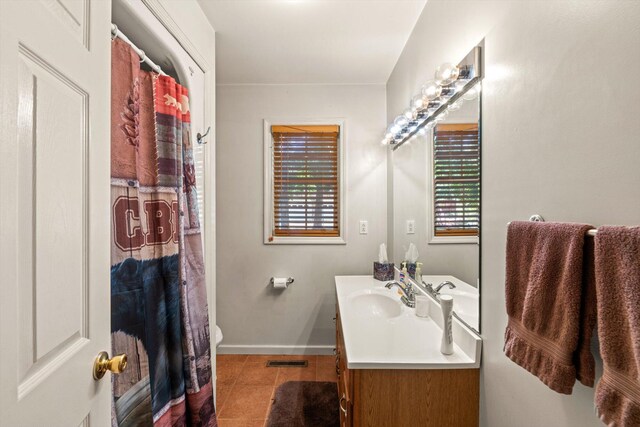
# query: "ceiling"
[[309, 41]]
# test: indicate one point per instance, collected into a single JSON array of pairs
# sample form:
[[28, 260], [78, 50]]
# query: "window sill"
[[306, 241], [448, 240]]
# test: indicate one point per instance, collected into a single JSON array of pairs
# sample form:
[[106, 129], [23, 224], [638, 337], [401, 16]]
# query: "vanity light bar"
[[438, 96]]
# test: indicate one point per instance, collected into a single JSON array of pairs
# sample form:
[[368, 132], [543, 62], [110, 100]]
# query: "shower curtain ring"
[[114, 32], [143, 56]]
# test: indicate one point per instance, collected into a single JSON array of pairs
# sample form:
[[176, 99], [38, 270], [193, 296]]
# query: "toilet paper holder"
[[289, 281]]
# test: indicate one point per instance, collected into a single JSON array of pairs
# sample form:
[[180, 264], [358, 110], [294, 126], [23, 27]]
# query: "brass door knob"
[[103, 363]]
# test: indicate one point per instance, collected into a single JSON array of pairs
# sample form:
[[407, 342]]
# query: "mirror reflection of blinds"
[[456, 163], [305, 181]]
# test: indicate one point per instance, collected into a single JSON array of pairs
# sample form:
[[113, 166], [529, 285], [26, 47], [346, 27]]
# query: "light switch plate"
[[364, 227], [411, 226]]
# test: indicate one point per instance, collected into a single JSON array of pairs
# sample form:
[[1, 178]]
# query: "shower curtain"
[[159, 312]]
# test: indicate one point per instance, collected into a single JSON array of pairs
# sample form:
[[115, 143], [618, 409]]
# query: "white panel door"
[[54, 222]]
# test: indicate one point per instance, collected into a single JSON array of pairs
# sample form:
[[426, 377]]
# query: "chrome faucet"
[[443, 284], [429, 287], [409, 297]]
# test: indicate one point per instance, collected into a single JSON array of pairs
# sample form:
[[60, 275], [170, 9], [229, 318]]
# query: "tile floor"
[[245, 386]]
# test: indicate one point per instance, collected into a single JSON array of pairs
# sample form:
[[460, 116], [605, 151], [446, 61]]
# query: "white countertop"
[[405, 341]]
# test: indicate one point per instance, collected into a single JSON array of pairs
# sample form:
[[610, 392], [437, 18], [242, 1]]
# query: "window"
[[456, 180], [304, 194]]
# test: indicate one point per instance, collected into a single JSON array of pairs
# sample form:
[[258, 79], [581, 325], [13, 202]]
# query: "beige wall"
[[252, 316], [560, 138]]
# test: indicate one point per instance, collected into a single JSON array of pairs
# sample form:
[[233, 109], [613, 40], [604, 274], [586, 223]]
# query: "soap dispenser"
[[403, 273], [418, 275]]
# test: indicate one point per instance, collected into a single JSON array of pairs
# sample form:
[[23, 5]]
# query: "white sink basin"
[[465, 304], [380, 332], [375, 303]]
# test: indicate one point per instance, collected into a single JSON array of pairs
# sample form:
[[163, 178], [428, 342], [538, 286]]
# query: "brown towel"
[[618, 293], [544, 290], [583, 357]]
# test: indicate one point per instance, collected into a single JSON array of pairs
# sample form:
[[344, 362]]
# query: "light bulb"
[[431, 90], [417, 102], [401, 121], [446, 74], [410, 114], [394, 129]]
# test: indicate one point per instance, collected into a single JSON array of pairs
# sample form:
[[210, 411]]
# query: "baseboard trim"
[[276, 349]]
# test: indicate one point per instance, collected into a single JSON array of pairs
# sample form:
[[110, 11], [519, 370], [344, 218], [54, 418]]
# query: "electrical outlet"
[[411, 226], [364, 227]]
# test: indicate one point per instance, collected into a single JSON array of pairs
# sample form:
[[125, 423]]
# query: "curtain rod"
[[115, 32]]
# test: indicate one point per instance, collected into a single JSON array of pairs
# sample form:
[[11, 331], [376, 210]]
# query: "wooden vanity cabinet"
[[405, 397]]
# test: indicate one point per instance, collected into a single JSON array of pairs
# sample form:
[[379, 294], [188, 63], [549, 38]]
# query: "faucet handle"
[[410, 288], [411, 293]]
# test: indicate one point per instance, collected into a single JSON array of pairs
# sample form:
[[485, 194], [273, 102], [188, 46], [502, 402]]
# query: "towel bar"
[[539, 218], [289, 281]]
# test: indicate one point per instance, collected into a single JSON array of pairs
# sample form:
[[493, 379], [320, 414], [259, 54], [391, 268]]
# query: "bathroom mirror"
[[436, 206]]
